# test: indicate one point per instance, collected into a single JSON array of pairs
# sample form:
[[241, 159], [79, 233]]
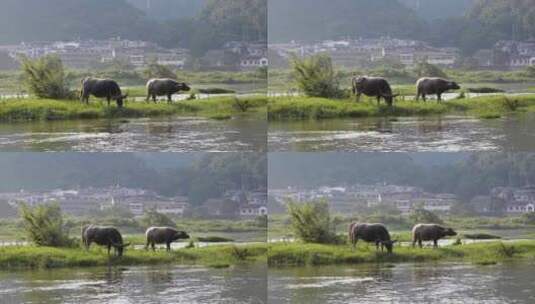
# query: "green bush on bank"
[[283, 108], [30, 257], [34, 109], [299, 254]]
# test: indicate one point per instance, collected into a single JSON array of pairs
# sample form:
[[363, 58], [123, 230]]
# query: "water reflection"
[[158, 284], [404, 283], [440, 133], [171, 134]]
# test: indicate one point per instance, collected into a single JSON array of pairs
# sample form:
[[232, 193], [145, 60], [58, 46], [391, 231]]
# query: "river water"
[[404, 283], [437, 133], [136, 285], [162, 134]]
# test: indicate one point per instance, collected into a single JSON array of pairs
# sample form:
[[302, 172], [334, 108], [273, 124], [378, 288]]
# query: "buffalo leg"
[[154, 98], [169, 99], [439, 97], [108, 99], [147, 245], [420, 243], [378, 100], [153, 246], [168, 246], [418, 96], [358, 97], [355, 240], [413, 243], [109, 248], [435, 243]]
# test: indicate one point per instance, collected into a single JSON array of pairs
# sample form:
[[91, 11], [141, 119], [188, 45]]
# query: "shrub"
[[155, 70], [46, 78], [420, 215], [316, 77], [424, 69], [44, 225], [154, 218], [311, 222]]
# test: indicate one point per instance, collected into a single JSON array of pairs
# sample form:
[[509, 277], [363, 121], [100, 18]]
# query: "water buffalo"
[[372, 86], [102, 88], [371, 233], [430, 232], [104, 236], [429, 86], [164, 87], [160, 235]]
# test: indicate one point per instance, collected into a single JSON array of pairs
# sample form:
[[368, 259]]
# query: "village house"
[[515, 200]]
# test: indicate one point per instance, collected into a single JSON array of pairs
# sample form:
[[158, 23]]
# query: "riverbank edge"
[[219, 108], [316, 108], [484, 253], [217, 256]]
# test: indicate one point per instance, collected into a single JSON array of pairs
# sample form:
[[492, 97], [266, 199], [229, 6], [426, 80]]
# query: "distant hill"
[[439, 9], [169, 9], [319, 19], [199, 25], [38, 20]]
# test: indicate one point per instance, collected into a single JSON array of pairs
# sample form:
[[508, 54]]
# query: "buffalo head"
[[182, 86], [181, 235], [454, 86], [120, 99], [389, 245], [450, 232]]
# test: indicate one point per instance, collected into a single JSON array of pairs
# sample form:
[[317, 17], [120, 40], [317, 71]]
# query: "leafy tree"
[[420, 215], [154, 218], [44, 225], [315, 75], [424, 69], [155, 70], [45, 77], [311, 221]]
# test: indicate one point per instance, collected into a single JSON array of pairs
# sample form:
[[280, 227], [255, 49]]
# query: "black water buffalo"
[[430, 232], [371, 233], [430, 86], [372, 86], [104, 236], [164, 87], [102, 88], [160, 235]]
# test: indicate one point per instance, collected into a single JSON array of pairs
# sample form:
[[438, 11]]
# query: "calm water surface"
[[404, 283], [440, 133], [155, 284], [170, 134]]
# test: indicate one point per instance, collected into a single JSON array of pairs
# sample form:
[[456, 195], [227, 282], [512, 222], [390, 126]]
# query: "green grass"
[[299, 254], [32, 109], [30, 257], [283, 108]]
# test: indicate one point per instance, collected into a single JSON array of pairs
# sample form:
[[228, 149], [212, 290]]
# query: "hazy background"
[[467, 24], [198, 176], [463, 174], [199, 25]]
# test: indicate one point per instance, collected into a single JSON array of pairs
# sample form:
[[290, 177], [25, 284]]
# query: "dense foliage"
[[316, 77], [311, 222], [45, 77], [44, 225]]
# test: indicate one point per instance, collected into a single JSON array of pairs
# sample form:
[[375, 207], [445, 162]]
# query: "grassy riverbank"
[[30, 257], [299, 254], [33, 109], [296, 108]]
